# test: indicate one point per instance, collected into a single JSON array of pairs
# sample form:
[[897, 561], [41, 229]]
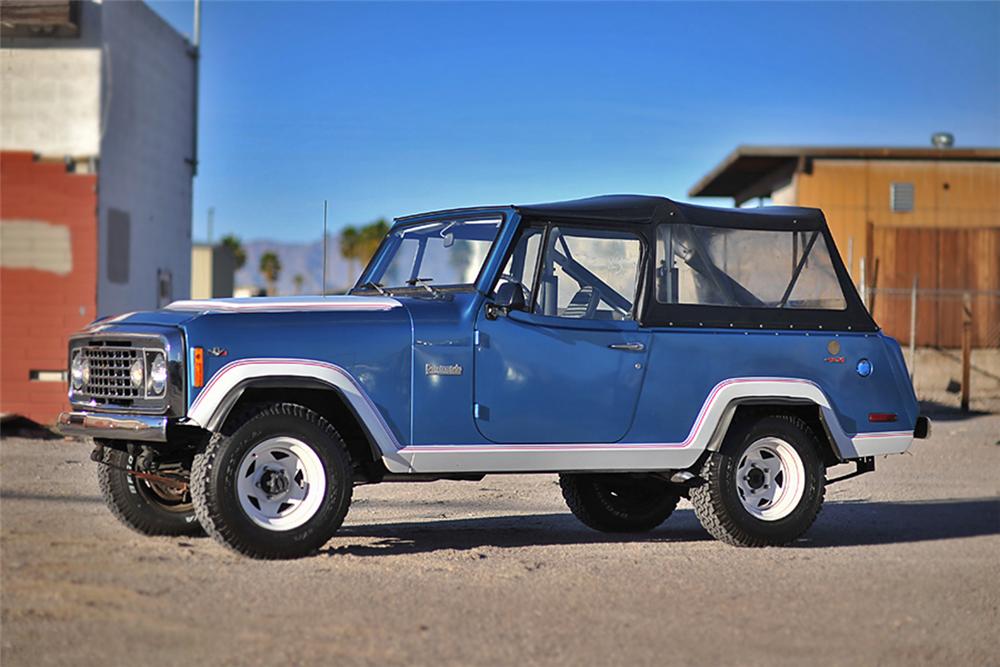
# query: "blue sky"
[[387, 109]]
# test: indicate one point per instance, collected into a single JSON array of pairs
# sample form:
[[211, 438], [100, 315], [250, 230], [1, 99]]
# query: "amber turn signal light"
[[198, 362]]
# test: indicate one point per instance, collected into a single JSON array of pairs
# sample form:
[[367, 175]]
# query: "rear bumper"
[[113, 426], [890, 442]]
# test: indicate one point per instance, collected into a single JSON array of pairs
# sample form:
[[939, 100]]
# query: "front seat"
[[583, 305]]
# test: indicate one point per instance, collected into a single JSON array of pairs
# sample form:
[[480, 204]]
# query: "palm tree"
[[349, 240], [371, 236], [235, 246], [298, 280], [270, 268]]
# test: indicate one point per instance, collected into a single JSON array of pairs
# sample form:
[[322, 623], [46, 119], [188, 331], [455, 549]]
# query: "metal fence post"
[[862, 288], [966, 348], [913, 327]]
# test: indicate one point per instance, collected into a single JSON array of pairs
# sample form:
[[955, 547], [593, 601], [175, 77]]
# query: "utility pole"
[[211, 223], [324, 248], [195, 53]]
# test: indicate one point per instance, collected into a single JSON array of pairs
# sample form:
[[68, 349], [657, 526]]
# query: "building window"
[[119, 228], [901, 197], [164, 287]]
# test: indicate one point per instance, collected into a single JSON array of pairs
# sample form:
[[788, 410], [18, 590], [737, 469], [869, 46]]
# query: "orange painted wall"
[[949, 240], [853, 193], [38, 308]]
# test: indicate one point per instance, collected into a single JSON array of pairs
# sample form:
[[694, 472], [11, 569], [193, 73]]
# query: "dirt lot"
[[901, 568]]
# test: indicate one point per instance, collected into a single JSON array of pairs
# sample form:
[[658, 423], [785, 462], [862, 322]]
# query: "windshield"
[[447, 253]]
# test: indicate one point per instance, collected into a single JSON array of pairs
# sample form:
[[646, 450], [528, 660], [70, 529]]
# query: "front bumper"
[[113, 426]]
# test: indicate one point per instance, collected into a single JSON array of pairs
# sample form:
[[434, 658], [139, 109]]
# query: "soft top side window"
[[589, 273], [745, 268]]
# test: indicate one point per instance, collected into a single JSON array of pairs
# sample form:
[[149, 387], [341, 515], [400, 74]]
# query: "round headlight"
[[137, 373], [864, 368], [158, 374], [76, 371]]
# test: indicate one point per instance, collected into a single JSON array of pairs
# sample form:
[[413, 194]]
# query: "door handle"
[[628, 347]]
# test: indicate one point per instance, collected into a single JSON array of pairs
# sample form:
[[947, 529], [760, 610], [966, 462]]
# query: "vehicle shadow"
[[940, 412], [841, 524]]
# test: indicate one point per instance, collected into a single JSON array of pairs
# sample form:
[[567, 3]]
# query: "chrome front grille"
[[100, 372], [110, 373]]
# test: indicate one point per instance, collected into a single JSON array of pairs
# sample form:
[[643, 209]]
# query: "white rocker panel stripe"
[[546, 457], [257, 304]]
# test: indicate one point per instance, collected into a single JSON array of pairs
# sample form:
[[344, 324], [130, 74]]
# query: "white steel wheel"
[[770, 479], [281, 483]]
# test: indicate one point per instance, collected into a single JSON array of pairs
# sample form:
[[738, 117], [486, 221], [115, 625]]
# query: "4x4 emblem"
[[438, 369]]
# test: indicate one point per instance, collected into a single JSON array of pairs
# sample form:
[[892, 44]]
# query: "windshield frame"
[[386, 250]]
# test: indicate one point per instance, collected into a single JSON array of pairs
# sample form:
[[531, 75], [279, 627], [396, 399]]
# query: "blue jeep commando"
[[642, 349]]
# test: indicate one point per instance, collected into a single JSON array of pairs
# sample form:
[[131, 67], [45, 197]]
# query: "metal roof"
[[755, 171]]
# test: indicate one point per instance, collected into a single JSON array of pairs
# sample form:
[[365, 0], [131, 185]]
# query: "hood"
[[179, 312], [285, 304]]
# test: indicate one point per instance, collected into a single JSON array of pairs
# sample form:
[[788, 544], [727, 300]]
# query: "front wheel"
[[278, 487], [618, 503], [151, 505], [765, 486]]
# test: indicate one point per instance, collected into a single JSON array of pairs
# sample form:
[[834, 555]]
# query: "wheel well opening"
[[807, 412], [327, 403]]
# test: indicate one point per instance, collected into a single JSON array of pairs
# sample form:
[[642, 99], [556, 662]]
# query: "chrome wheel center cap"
[[273, 482]]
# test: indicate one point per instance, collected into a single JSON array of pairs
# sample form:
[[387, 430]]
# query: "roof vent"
[[943, 139]]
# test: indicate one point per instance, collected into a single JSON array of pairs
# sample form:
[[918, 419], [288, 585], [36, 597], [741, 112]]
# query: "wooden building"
[[925, 214]]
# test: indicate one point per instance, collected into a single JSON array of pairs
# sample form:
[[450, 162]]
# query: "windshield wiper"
[[422, 282], [375, 286]]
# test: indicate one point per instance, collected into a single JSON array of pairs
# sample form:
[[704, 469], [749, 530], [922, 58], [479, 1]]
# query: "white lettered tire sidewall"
[[216, 474]]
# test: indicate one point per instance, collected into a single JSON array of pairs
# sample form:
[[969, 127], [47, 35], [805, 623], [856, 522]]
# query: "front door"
[[570, 367]]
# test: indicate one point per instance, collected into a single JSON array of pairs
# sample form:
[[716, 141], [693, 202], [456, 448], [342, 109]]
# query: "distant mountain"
[[298, 258]]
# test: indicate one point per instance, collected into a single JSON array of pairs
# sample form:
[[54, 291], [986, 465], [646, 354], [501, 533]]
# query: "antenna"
[[324, 247]]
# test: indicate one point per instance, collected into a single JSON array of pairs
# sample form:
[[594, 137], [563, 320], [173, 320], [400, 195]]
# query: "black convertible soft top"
[[652, 209], [647, 209], [643, 213]]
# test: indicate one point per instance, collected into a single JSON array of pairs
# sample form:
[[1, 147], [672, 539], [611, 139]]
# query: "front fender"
[[213, 404]]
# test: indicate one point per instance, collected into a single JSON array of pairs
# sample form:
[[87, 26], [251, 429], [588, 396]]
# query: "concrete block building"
[[97, 156]]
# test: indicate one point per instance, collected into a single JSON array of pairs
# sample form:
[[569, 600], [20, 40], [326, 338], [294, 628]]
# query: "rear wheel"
[[146, 505], [765, 486], [618, 503], [278, 487]]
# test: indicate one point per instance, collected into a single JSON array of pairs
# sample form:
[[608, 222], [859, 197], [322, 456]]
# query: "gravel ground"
[[900, 568]]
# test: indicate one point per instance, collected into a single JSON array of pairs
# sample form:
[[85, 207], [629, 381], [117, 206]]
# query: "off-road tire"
[[716, 501], [591, 498], [136, 505], [215, 470]]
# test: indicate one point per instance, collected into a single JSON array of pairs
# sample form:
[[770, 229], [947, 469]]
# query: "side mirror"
[[510, 296]]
